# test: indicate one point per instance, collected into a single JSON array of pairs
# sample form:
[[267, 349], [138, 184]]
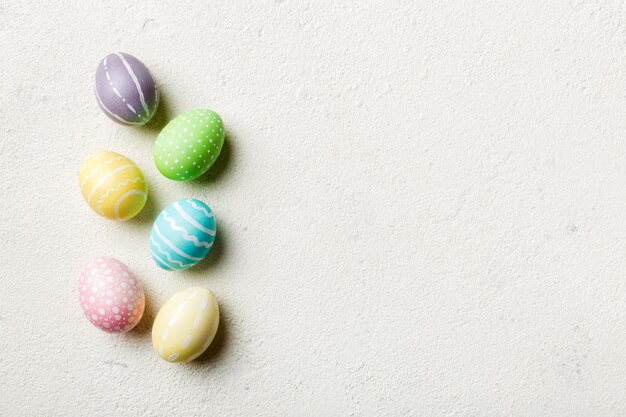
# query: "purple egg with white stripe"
[[125, 89]]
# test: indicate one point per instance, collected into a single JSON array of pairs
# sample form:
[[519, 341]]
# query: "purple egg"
[[125, 89]]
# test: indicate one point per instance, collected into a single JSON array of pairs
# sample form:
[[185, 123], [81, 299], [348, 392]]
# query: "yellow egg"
[[113, 185], [186, 325]]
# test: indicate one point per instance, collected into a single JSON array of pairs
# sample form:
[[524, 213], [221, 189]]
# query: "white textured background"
[[420, 204]]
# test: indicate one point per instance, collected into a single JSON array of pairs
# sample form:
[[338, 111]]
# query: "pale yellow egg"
[[186, 325], [113, 185]]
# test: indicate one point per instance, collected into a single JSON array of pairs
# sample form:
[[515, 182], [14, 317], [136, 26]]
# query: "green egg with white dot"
[[189, 144]]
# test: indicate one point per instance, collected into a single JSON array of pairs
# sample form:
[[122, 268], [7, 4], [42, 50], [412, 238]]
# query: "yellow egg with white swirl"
[[186, 325], [113, 185]]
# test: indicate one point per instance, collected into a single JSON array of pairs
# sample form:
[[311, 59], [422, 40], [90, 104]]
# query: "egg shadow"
[[219, 344], [149, 211], [145, 324], [161, 118], [221, 165], [214, 257]]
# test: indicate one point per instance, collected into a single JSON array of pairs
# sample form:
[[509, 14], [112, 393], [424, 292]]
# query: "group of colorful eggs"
[[111, 297]]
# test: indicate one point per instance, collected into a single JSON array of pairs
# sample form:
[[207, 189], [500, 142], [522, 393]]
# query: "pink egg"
[[111, 297]]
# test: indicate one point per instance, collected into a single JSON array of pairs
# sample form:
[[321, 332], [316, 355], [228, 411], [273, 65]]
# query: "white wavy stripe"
[[197, 207], [122, 198], [83, 166], [96, 169], [186, 236], [117, 187], [170, 267], [106, 177], [115, 116], [190, 220], [136, 81], [167, 255], [173, 247], [94, 157]]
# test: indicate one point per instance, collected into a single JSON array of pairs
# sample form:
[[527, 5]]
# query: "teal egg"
[[182, 234]]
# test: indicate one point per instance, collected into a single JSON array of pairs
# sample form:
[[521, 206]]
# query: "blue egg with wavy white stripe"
[[182, 235]]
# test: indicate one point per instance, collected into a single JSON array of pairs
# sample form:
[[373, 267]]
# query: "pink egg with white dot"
[[112, 299]]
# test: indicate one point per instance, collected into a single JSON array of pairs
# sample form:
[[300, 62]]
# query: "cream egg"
[[186, 325]]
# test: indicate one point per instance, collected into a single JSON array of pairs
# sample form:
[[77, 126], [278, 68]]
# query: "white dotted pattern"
[[111, 298], [189, 144]]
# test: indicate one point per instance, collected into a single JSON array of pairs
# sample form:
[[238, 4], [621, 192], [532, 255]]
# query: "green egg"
[[188, 146]]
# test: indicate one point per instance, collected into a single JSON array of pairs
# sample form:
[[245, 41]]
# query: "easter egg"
[[111, 297], [188, 145], [125, 89], [186, 325], [182, 234], [112, 185]]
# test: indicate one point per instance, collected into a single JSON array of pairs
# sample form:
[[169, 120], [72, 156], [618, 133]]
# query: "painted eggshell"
[[111, 298], [187, 147], [113, 185], [125, 89], [182, 234], [186, 325]]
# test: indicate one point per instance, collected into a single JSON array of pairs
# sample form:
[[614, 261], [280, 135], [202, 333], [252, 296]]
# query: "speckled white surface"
[[421, 207]]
